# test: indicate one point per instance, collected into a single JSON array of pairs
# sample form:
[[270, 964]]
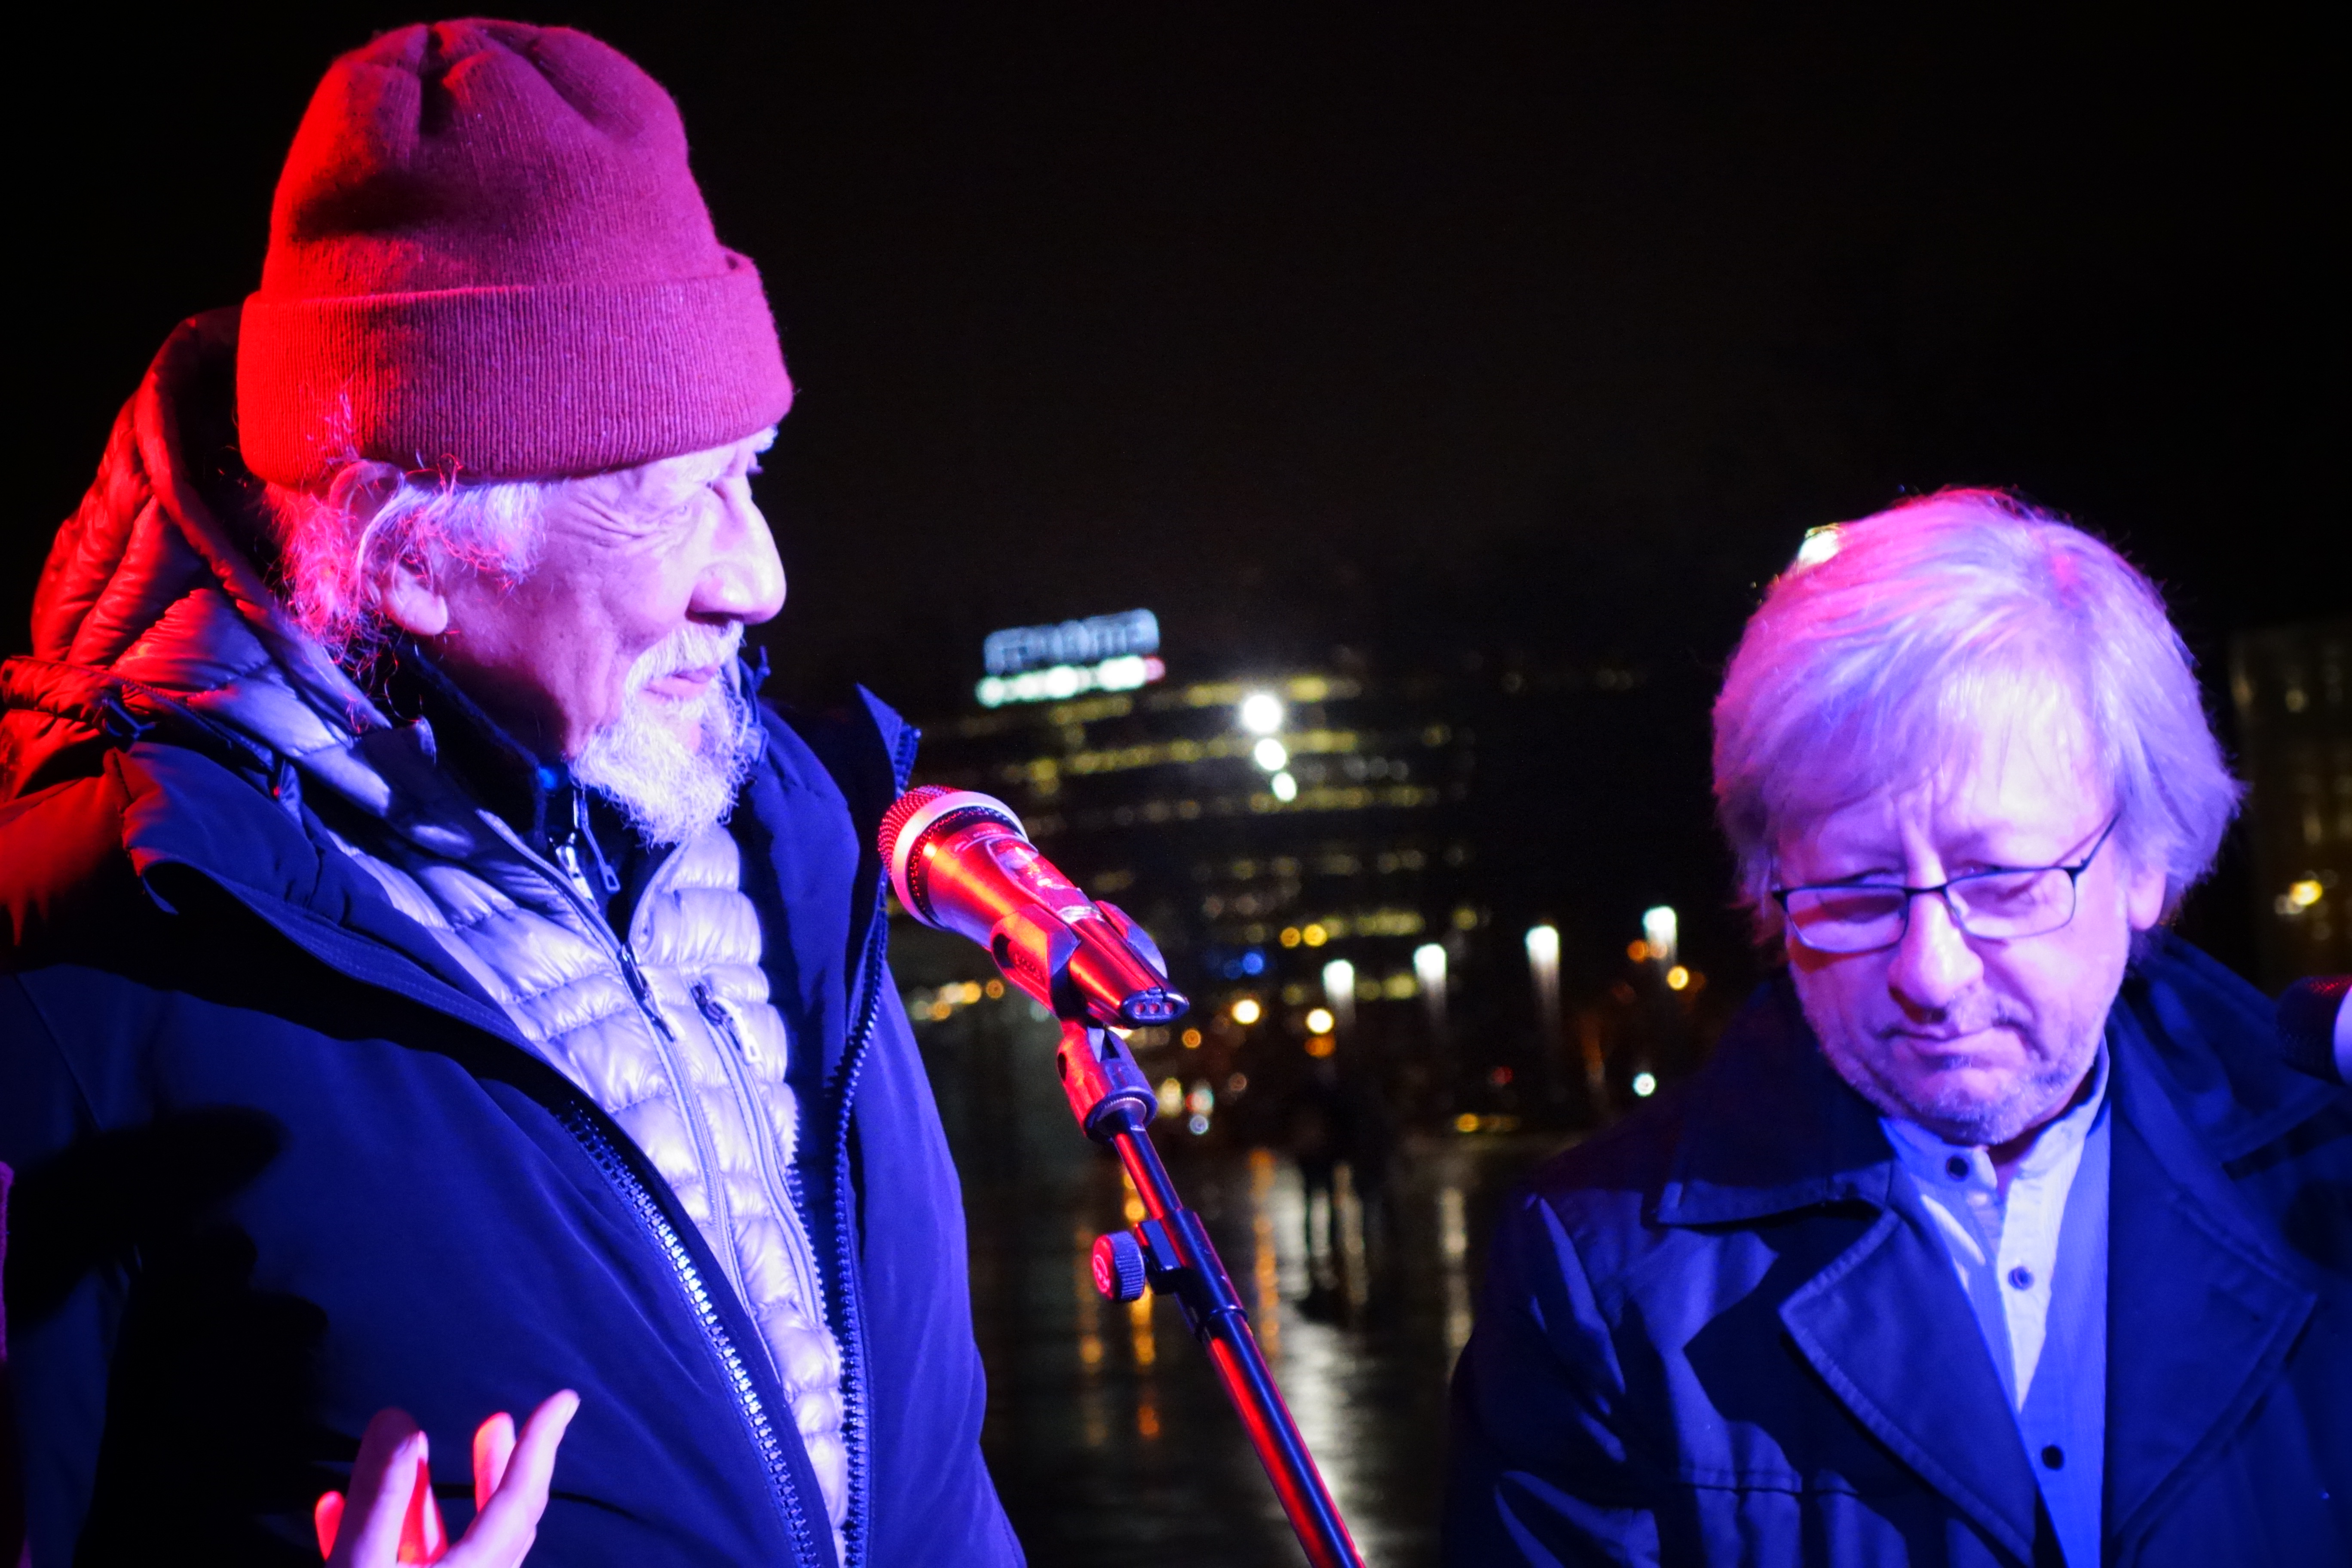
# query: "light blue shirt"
[[2034, 1265]]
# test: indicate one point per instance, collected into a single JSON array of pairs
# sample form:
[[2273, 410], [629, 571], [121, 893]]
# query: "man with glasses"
[[1995, 1230]]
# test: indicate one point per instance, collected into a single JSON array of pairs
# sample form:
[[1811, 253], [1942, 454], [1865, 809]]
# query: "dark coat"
[[1724, 1331], [282, 1162]]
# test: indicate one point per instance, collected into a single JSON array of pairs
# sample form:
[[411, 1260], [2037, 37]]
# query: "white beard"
[[668, 790]]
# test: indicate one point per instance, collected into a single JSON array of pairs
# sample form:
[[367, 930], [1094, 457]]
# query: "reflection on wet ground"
[[1108, 1436]]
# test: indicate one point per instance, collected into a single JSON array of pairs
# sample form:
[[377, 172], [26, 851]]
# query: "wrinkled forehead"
[[1984, 749]]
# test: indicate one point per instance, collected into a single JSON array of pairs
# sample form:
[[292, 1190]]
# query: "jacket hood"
[[153, 610]]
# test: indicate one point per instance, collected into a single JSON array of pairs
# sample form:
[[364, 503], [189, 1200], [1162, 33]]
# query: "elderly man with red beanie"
[[434, 982]]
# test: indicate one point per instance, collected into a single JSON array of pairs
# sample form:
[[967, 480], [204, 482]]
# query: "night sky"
[[1540, 332]]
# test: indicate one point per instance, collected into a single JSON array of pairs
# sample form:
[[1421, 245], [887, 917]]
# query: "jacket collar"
[[830, 774], [1770, 1127]]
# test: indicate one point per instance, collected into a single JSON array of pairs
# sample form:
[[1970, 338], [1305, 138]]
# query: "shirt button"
[[2054, 1457], [2022, 1277], [1957, 1167]]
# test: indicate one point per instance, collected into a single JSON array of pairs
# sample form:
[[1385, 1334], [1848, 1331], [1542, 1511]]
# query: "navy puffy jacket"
[[282, 1163]]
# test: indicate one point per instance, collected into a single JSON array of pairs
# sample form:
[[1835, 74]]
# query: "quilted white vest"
[[673, 1034]]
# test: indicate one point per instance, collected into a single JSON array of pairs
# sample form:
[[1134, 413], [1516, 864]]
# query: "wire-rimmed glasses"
[[2004, 904]]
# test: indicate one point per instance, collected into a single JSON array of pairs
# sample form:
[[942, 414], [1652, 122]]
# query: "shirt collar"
[[1925, 1156]]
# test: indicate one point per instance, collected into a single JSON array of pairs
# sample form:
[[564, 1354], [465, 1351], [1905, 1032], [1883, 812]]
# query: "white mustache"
[[692, 647]]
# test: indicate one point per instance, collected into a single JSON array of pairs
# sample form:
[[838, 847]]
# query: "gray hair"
[[332, 542], [1890, 643]]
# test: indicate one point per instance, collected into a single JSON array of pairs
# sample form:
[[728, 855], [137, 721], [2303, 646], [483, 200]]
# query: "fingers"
[[382, 1478], [327, 1518], [494, 1445], [508, 1522]]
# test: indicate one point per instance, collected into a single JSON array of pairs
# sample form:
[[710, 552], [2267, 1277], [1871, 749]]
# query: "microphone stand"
[[1170, 1251]]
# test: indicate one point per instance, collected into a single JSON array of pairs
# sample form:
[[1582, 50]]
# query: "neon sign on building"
[[1047, 664]]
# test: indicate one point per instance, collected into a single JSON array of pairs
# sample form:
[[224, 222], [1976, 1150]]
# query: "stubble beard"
[[1961, 1115], [669, 788]]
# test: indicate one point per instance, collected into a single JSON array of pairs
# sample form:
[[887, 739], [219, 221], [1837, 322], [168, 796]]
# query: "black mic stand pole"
[[1170, 1251]]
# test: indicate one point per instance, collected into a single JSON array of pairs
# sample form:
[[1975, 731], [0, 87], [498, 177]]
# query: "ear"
[[2144, 888], [409, 598]]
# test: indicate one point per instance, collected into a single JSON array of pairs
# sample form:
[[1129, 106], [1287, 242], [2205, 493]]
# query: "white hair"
[[1892, 643], [333, 542]]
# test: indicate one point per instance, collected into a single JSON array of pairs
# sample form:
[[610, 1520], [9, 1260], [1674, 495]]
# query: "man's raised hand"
[[390, 1510]]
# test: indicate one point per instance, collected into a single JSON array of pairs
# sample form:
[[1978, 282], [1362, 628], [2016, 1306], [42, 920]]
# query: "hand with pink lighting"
[[390, 1510]]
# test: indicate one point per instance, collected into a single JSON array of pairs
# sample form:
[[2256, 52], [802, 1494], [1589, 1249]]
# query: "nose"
[[1933, 965], [743, 578]]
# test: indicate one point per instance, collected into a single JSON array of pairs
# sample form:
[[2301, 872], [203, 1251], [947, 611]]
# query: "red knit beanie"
[[486, 255]]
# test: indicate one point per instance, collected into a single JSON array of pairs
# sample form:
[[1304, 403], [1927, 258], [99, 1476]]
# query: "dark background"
[[1446, 339], [1537, 333]]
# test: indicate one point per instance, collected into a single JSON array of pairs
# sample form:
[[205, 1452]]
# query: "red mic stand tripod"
[[1170, 1251]]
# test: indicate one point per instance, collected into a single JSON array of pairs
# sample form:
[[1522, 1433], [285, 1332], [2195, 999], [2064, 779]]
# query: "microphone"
[[961, 861], [2314, 1024]]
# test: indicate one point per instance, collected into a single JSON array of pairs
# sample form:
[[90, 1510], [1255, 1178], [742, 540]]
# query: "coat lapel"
[[1774, 1130], [1887, 1329], [2201, 1307]]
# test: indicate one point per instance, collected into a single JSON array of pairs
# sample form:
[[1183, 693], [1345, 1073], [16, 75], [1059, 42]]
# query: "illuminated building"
[[1315, 851], [2292, 688]]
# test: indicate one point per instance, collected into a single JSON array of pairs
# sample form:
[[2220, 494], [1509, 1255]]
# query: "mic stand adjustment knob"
[[1119, 1267]]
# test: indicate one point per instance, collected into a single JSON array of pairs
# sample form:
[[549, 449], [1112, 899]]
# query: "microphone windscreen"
[[895, 819]]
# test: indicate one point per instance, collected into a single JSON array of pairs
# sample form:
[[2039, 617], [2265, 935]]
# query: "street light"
[[1429, 969], [1260, 713], [1339, 991], [1659, 932], [1543, 968], [1271, 755]]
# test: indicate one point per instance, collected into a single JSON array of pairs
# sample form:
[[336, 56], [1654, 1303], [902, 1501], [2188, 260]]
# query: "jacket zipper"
[[759, 1424], [845, 1229], [698, 1125], [763, 1144]]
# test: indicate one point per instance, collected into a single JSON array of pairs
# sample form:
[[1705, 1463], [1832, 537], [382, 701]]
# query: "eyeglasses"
[[2002, 905]]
